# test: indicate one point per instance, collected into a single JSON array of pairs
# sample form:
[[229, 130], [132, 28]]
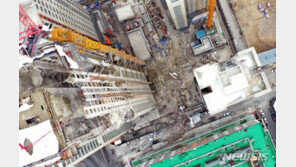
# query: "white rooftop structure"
[[139, 44], [47, 146], [205, 45], [230, 82], [125, 12]]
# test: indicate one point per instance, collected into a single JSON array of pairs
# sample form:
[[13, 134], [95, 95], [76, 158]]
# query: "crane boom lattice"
[[30, 26], [65, 35], [212, 4]]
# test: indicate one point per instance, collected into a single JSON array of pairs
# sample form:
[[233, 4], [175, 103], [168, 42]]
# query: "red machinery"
[[31, 27], [31, 34]]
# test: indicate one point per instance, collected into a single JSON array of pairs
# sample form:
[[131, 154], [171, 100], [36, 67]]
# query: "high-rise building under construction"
[[79, 101], [183, 11], [63, 13]]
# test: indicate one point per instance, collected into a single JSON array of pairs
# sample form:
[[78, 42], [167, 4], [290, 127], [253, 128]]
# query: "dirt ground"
[[258, 30]]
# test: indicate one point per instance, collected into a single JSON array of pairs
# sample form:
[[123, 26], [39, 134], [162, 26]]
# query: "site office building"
[[61, 13]]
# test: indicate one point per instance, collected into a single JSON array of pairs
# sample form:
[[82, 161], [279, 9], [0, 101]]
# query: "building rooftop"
[[267, 57], [125, 12], [230, 82], [204, 45], [139, 44], [210, 148], [200, 34], [49, 143]]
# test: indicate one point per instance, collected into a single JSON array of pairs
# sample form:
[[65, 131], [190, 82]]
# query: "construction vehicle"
[[57, 34]]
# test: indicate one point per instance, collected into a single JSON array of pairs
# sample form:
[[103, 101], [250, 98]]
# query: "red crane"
[[31, 27], [35, 142]]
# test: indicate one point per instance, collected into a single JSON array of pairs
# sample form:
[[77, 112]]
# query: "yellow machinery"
[[64, 35]]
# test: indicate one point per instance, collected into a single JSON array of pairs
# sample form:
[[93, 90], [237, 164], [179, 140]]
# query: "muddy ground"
[[258, 30]]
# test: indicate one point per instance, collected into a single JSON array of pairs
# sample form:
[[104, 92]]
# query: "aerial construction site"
[[135, 83]]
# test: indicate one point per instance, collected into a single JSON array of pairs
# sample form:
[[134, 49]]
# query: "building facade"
[[99, 100], [92, 98], [184, 11], [122, 91], [210, 148], [195, 5], [62, 13], [178, 13]]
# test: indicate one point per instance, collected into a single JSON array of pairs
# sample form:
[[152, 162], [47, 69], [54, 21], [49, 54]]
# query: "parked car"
[[155, 141], [235, 43], [226, 114], [151, 136], [47, 27], [228, 24], [212, 119], [265, 120], [272, 101]]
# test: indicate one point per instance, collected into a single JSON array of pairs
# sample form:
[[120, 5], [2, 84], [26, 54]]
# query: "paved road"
[[101, 158], [260, 102], [232, 25], [271, 125]]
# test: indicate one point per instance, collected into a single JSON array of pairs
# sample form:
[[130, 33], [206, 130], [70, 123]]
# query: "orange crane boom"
[[65, 35], [212, 4], [211, 8]]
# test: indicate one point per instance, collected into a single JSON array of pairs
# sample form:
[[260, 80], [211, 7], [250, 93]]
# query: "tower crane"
[[30, 26], [30, 35], [212, 4], [58, 34], [211, 8]]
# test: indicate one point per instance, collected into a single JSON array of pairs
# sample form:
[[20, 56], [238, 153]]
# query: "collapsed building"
[[76, 100], [98, 101]]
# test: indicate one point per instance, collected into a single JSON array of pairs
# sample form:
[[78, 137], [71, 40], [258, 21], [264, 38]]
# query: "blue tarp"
[[267, 57], [118, 45], [164, 41], [200, 34]]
